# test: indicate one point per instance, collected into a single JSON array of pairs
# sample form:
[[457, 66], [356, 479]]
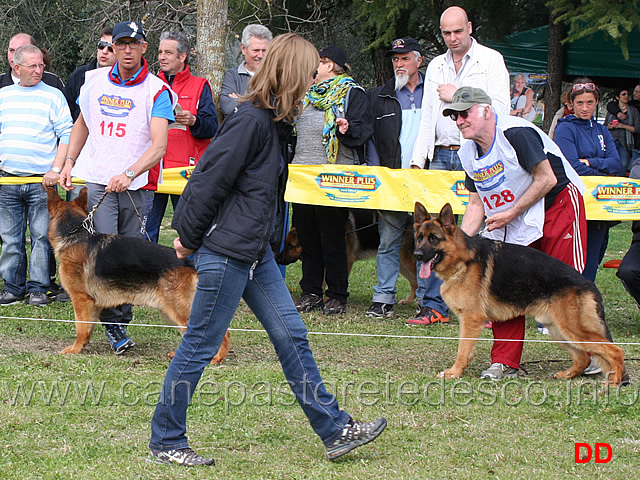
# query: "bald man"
[[11, 77], [465, 63]]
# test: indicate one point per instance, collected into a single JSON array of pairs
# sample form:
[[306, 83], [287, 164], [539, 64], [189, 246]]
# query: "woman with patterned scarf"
[[334, 127]]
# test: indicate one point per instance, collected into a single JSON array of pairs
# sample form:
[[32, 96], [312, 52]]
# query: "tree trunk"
[[210, 41], [382, 66], [555, 66]]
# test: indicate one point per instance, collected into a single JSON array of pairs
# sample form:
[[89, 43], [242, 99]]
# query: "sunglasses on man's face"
[[464, 114], [102, 44]]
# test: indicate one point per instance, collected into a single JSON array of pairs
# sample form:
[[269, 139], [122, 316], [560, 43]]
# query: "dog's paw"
[[71, 349], [566, 374], [448, 375]]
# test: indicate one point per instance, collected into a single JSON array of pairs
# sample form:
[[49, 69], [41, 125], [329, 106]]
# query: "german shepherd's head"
[[292, 248], [65, 217], [436, 240]]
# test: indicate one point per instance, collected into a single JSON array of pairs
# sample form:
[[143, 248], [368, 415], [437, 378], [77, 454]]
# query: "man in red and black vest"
[[196, 118]]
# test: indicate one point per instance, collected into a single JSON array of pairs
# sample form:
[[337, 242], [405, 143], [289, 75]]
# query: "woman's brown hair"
[[284, 76]]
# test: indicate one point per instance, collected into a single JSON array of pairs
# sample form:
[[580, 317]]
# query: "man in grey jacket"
[[255, 40]]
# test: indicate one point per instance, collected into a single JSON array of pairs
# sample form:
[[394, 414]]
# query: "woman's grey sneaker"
[[180, 456], [353, 435], [308, 302], [380, 310]]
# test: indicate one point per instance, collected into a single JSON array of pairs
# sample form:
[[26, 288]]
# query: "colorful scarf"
[[329, 97]]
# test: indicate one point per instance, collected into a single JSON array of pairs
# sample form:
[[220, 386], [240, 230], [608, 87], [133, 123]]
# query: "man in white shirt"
[[465, 63]]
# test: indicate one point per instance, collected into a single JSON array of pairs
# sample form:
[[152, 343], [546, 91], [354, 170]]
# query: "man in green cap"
[[519, 179]]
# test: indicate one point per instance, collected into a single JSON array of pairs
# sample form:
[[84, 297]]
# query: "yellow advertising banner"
[[361, 186]]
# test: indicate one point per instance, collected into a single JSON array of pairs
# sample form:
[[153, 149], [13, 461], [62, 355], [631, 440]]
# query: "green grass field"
[[88, 416]]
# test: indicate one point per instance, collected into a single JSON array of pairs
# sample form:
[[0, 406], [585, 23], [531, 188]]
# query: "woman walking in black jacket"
[[226, 216]]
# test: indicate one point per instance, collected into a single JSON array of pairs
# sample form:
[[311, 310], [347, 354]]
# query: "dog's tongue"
[[425, 269]]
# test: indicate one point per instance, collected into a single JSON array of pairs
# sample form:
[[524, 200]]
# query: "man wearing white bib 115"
[[120, 134], [519, 179]]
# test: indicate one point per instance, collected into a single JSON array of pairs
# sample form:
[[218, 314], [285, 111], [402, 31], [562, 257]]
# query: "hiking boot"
[[498, 371], [334, 307], [117, 336], [428, 316], [380, 310], [180, 456], [308, 302], [353, 435], [592, 369], [8, 298], [39, 299]]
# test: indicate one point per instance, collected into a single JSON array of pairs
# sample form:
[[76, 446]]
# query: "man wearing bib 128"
[[519, 179]]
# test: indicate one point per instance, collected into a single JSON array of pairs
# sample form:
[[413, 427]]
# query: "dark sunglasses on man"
[[102, 44]]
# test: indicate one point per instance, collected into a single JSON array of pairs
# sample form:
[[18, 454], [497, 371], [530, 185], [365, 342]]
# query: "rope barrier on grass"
[[337, 334]]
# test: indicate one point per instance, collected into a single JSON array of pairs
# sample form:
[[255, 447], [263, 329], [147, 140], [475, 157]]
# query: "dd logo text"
[[597, 448]]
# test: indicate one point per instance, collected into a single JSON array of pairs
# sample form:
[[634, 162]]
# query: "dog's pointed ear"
[[447, 218], [81, 200], [53, 199], [420, 213]]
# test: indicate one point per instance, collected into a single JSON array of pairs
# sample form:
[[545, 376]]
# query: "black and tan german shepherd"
[[100, 271], [362, 239], [486, 280]]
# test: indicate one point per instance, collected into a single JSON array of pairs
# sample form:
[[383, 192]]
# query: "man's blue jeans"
[[19, 205], [391, 227], [156, 214], [222, 282]]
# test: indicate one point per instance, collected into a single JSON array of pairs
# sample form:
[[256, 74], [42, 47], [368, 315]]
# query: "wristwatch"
[[129, 174], [55, 169]]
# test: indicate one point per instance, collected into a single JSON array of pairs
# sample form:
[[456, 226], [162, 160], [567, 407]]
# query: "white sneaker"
[[498, 371], [592, 369], [543, 330]]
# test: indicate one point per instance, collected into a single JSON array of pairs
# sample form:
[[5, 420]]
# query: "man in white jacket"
[[465, 63]]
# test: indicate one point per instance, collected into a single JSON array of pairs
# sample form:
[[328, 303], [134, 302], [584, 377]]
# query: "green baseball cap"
[[465, 98]]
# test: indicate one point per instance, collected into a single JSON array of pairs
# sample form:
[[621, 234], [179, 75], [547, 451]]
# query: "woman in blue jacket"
[[227, 217], [590, 149]]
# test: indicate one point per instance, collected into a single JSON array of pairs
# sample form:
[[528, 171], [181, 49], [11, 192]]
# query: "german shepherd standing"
[[488, 280], [100, 271]]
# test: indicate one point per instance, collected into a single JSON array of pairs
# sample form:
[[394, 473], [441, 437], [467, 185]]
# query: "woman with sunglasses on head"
[[591, 150], [226, 217], [623, 124]]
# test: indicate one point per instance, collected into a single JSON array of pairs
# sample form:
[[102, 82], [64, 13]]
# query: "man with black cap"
[[396, 110], [120, 134], [334, 127], [519, 179]]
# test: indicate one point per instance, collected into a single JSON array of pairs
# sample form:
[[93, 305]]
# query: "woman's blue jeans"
[[222, 282]]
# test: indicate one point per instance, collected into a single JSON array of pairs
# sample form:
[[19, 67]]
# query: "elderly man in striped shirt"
[[35, 124]]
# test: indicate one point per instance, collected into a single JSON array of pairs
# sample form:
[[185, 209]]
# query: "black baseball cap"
[[404, 45], [335, 54], [128, 29]]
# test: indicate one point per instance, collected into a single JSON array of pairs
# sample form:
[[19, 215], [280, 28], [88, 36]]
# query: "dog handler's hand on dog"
[[181, 251]]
